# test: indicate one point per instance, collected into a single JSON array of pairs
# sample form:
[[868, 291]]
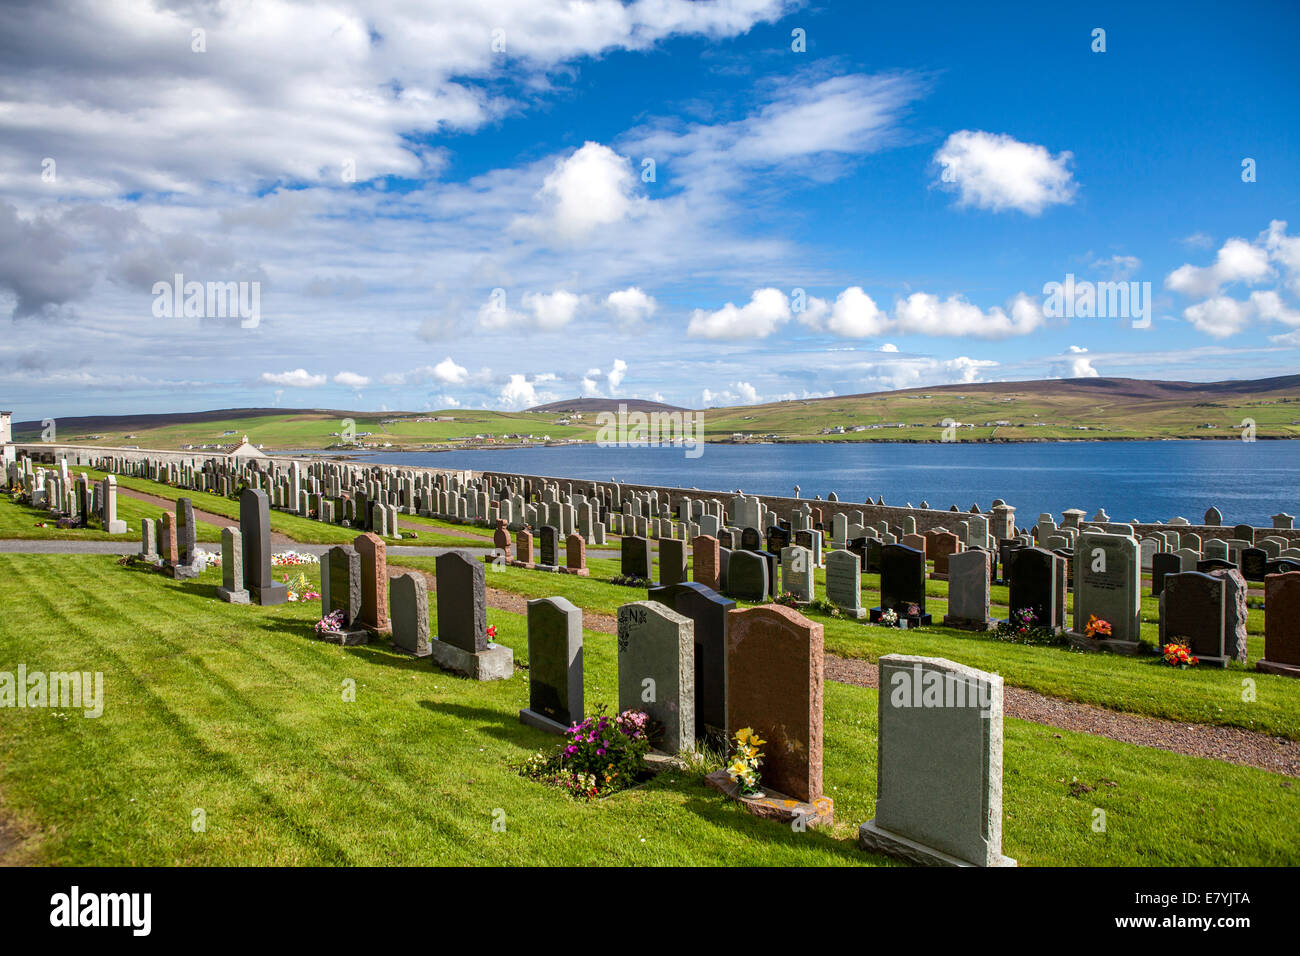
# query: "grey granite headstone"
[[408, 601], [968, 590], [232, 567], [939, 766], [844, 582], [554, 665], [656, 670], [747, 576], [255, 527], [462, 644]]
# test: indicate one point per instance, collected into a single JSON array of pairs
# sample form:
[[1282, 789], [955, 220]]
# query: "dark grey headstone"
[[408, 601], [672, 561], [255, 528], [747, 577], [462, 601], [708, 609], [555, 660], [635, 556], [902, 578]]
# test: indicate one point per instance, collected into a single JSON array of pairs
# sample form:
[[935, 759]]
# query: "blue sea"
[[1151, 480]]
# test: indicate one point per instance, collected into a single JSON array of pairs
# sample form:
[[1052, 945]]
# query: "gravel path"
[[1231, 744]]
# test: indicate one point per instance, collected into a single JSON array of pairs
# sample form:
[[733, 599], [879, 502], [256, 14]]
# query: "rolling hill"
[[1087, 409]]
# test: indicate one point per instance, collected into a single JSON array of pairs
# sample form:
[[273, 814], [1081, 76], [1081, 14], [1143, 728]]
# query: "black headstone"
[[255, 530], [902, 578], [462, 601]]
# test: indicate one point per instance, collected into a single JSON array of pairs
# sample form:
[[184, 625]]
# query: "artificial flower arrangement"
[[1179, 655], [600, 755], [1022, 627], [492, 633], [787, 599], [331, 623], [1096, 628], [293, 557], [743, 768], [889, 617], [300, 588]]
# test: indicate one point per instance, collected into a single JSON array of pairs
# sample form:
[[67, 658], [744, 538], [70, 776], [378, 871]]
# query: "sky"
[[500, 203]]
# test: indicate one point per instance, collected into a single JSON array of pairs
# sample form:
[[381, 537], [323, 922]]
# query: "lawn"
[[1142, 685], [18, 521], [235, 711], [303, 530]]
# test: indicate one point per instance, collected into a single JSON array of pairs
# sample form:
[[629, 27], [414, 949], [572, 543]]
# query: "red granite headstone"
[[167, 546], [706, 551], [938, 546], [501, 539], [575, 555], [1282, 623], [524, 548], [774, 686], [374, 581]]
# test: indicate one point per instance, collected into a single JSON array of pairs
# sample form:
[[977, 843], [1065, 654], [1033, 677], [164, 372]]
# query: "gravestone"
[[1281, 625], [462, 643], [747, 576], [1038, 583], [255, 527], [1107, 584], [707, 610], [341, 591], [705, 566], [902, 584], [968, 591], [656, 670], [939, 547], [939, 764], [844, 583], [1163, 564], [112, 524], [1235, 611], [1254, 564], [575, 555], [635, 557], [232, 568], [523, 549], [554, 665], [548, 546], [374, 582], [501, 539], [1192, 613], [775, 677], [797, 572], [149, 542], [408, 596], [672, 561], [187, 562]]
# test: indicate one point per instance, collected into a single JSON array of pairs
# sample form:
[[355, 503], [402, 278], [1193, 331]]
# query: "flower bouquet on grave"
[[492, 633], [1097, 629], [787, 599], [300, 589], [1179, 655], [889, 617], [331, 623], [743, 768], [913, 614]]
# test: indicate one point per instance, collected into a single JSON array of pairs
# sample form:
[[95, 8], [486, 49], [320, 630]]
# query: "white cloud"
[[759, 318], [520, 392], [924, 314], [631, 304], [855, 315], [995, 171], [1073, 365], [552, 311], [298, 378], [1237, 261], [615, 376], [590, 389], [449, 372], [592, 188], [739, 393], [351, 379], [1118, 268], [888, 347], [1272, 255]]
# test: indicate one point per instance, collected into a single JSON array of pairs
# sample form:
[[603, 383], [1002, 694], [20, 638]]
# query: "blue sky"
[[432, 221]]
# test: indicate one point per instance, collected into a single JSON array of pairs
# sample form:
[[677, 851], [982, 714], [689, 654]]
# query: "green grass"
[[18, 522], [1142, 685], [303, 530], [237, 711]]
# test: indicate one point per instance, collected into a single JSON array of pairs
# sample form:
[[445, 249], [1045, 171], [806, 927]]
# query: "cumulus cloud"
[[1272, 256], [615, 376], [739, 393], [998, 172], [522, 392], [449, 372], [631, 305], [297, 378], [592, 188], [854, 314], [552, 311], [1073, 365], [351, 379], [766, 310]]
